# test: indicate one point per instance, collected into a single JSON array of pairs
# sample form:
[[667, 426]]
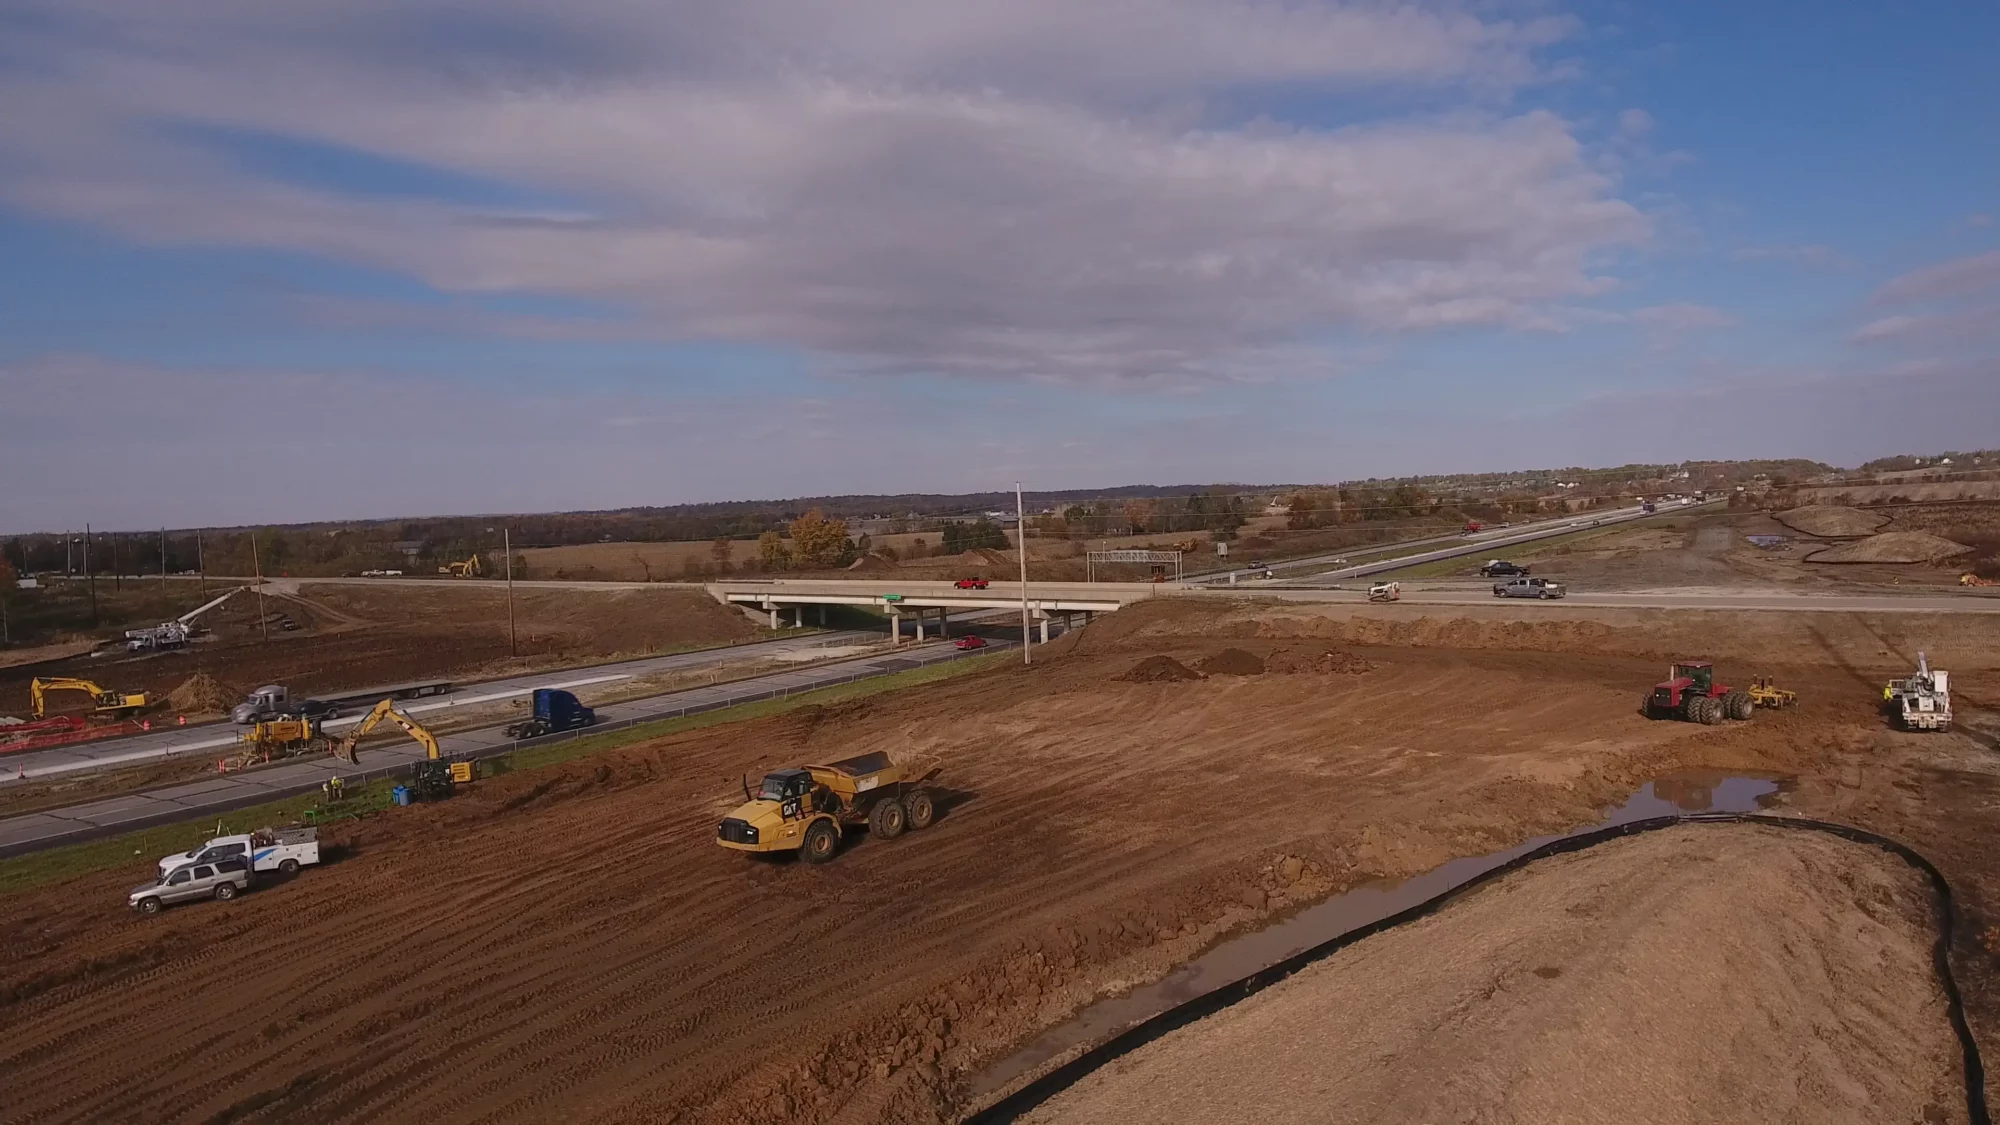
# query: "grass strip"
[[39, 869]]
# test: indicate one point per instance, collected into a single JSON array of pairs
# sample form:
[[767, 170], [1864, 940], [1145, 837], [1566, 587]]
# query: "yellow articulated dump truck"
[[805, 809]]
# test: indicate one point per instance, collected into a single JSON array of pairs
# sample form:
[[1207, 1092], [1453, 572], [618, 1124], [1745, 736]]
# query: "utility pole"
[[507, 548], [69, 565], [201, 564], [163, 562], [257, 568], [1021, 539], [90, 574], [117, 566]]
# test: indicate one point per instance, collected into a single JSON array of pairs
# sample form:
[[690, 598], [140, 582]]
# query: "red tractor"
[[1691, 692], [970, 583]]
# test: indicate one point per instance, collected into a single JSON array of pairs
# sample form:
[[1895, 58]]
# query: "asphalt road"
[[1664, 599], [216, 795], [211, 737]]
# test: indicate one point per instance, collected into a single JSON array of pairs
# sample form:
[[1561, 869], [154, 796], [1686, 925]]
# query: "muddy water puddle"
[[1238, 957]]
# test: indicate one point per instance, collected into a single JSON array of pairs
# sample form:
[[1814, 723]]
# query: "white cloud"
[[1813, 255], [1958, 277], [1041, 189]]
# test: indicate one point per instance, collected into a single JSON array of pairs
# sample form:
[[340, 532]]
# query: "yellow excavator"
[[105, 704], [344, 749], [467, 569]]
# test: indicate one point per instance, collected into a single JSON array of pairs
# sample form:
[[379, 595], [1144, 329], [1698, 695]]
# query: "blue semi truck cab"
[[554, 710]]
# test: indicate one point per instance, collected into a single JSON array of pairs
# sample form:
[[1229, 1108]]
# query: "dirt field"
[[1637, 982], [570, 944], [360, 636]]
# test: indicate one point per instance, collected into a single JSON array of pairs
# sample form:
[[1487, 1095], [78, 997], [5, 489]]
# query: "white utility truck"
[[268, 849]]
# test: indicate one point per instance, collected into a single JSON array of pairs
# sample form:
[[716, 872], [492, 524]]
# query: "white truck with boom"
[[1922, 701]]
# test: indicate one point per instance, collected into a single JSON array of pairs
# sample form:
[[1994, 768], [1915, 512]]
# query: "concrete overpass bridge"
[[922, 600]]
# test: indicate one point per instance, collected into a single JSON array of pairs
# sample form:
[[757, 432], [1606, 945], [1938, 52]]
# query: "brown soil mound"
[[1893, 547], [1233, 662], [1332, 661], [202, 694], [1160, 669], [1594, 979], [1832, 522], [871, 564]]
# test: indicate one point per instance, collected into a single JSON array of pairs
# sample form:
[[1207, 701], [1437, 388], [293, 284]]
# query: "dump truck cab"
[[804, 808]]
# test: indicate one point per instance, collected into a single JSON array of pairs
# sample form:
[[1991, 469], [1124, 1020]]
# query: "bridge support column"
[[1045, 628], [774, 617], [799, 616], [944, 624], [920, 626], [895, 628], [822, 616]]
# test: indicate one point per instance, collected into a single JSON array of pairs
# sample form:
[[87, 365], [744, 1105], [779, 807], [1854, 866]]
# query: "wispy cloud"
[[1959, 277], [1027, 190], [1813, 255]]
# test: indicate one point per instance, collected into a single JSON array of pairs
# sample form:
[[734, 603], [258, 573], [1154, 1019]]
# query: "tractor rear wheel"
[[822, 840], [1739, 705], [919, 809], [1712, 713], [885, 820]]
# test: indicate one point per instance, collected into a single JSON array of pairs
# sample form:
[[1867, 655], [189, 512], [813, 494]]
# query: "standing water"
[[1232, 960]]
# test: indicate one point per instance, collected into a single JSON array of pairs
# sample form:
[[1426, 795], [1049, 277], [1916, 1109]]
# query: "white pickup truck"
[[268, 849]]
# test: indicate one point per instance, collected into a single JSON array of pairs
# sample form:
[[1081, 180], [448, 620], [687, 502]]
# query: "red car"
[[969, 642], [971, 583]]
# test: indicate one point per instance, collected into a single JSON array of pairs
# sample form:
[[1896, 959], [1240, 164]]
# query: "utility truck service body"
[[267, 849]]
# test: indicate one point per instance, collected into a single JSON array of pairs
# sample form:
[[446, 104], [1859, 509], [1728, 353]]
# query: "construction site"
[[1162, 786]]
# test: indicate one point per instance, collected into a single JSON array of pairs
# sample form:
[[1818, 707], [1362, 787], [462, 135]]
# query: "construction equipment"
[[1386, 592], [1920, 702], [554, 710], [103, 703], [467, 569], [344, 749], [1970, 579], [1765, 693], [1692, 692], [805, 809]]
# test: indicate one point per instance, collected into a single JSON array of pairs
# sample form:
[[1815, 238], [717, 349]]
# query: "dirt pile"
[[1830, 521], [871, 564], [1333, 661], [202, 694], [1893, 547], [1612, 983], [1160, 670], [1233, 662]]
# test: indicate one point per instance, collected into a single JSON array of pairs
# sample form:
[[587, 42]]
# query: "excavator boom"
[[345, 748], [102, 702]]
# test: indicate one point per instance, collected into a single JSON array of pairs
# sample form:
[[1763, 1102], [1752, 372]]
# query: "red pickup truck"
[[971, 583]]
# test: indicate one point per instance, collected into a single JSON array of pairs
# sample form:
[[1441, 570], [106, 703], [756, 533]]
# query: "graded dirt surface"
[[1699, 974], [569, 943], [1892, 547], [1829, 521], [352, 636]]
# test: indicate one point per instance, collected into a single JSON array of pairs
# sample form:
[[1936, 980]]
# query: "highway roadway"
[[1758, 600], [1452, 546], [213, 738], [213, 796]]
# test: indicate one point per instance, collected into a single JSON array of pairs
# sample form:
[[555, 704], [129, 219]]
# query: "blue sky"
[[272, 262]]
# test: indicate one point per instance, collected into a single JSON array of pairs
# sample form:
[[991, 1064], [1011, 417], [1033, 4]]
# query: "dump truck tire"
[[822, 841], [1739, 705], [919, 810], [886, 820]]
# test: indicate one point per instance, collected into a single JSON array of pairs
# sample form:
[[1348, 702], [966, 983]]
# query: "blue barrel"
[[401, 793]]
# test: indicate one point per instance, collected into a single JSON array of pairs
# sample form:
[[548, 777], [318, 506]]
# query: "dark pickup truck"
[[1501, 568]]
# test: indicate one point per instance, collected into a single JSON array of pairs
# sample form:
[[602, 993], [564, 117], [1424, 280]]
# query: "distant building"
[[411, 548]]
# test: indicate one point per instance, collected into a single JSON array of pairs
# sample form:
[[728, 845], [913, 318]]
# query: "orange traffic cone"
[[183, 720]]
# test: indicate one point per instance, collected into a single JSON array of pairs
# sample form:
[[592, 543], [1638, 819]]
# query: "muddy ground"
[[1639, 981], [348, 637], [571, 944]]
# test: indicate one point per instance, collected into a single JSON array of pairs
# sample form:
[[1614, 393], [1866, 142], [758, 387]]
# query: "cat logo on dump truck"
[[805, 809]]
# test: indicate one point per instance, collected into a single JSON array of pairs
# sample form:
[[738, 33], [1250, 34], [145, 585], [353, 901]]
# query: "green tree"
[[772, 550]]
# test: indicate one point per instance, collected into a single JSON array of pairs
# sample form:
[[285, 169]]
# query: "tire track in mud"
[[591, 955]]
